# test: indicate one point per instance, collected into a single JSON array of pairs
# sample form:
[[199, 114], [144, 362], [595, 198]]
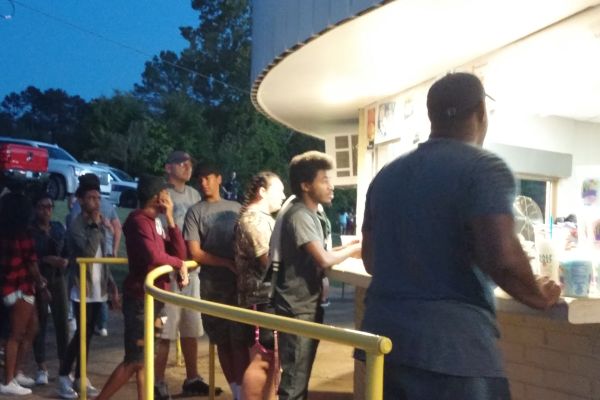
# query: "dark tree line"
[[196, 100]]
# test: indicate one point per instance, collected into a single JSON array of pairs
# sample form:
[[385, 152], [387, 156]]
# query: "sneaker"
[[65, 388], [161, 391], [13, 388], [41, 377], [197, 387], [101, 332], [91, 390], [24, 380]]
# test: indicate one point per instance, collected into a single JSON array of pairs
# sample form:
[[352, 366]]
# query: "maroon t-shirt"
[[147, 249]]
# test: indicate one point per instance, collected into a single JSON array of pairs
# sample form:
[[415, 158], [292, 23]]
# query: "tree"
[[52, 116], [213, 71]]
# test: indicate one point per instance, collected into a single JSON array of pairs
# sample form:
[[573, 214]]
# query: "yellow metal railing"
[[374, 346], [83, 263]]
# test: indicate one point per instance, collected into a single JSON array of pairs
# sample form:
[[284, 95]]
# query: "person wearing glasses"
[[49, 239]]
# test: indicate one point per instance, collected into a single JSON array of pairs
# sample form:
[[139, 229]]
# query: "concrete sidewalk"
[[332, 375]]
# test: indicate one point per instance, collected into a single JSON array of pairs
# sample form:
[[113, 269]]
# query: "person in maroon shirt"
[[149, 245]]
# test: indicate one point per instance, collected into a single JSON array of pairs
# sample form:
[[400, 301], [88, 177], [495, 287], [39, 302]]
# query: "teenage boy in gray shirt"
[[304, 259], [209, 233]]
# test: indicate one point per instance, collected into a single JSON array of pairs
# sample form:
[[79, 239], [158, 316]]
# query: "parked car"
[[23, 167], [64, 169], [123, 185]]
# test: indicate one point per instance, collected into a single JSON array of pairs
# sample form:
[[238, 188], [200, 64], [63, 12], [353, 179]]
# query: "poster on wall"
[[371, 127], [387, 122]]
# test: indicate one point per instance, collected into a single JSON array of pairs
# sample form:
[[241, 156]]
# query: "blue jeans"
[[103, 317], [297, 355]]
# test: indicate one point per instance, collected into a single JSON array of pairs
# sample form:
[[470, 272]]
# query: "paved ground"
[[331, 377]]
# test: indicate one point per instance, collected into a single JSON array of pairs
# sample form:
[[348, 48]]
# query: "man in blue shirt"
[[438, 229]]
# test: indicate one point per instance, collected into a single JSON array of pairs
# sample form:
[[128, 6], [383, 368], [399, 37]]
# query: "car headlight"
[[78, 171]]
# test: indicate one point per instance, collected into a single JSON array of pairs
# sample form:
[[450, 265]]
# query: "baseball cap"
[[177, 157], [149, 186], [454, 96]]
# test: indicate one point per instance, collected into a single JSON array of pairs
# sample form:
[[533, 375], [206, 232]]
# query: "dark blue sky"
[[47, 52]]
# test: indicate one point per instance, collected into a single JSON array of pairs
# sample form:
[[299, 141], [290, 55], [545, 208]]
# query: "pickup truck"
[[64, 169], [23, 167]]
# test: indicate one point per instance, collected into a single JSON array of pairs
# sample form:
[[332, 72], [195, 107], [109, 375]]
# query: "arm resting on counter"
[[327, 259], [498, 253]]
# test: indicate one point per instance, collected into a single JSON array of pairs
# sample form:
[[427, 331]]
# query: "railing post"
[[148, 346], [211, 370], [82, 331], [374, 378]]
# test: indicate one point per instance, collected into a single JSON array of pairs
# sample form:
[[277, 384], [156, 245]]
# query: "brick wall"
[[550, 359]]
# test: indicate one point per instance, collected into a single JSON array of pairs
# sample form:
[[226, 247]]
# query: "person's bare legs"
[[234, 361], [22, 327], [139, 381], [189, 348], [119, 377], [255, 378], [161, 358]]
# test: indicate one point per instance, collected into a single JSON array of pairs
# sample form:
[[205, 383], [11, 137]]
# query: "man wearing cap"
[[437, 233], [187, 323], [209, 234], [149, 245], [112, 237]]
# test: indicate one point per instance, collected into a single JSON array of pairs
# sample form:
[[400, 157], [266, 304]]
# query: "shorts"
[[133, 337], [178, 319], [12, 298], [219, 285]]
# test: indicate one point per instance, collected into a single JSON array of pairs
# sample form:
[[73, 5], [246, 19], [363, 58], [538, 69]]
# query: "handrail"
[[83, 262], [375, 346]]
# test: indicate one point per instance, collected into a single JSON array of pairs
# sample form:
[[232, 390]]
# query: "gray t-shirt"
[[299, 281], [213, 225], [182, 201], [427, 294]]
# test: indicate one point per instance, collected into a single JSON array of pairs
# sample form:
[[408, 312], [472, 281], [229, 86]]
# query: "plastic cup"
[[576, 277]]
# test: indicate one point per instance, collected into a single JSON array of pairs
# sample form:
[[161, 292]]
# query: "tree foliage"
[[52, 116], [196, 100]]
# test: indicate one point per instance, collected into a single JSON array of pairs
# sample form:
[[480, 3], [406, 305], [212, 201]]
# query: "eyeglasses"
[[46, 206], [184, 164]]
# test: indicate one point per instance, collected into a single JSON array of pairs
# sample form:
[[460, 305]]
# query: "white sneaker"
[[65, 388], [13, 388], [91, 390], [24, 380], [41, 377], [101, 332]]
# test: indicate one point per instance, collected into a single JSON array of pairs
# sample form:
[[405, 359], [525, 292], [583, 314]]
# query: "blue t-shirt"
[[427, 294]]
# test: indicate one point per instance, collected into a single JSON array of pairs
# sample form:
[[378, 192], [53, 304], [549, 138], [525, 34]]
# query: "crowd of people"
[[437, 230], [174, 222]]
